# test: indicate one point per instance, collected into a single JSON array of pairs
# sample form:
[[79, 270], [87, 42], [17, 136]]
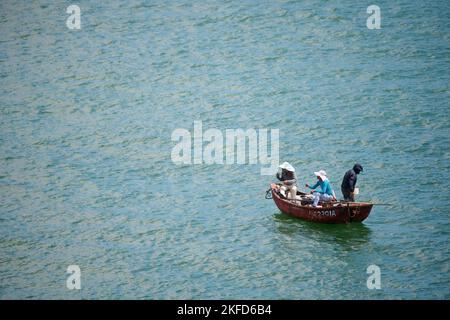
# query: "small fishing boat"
[[327, 212]]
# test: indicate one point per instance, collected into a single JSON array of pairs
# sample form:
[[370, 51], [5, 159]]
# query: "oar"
[[375, 204]]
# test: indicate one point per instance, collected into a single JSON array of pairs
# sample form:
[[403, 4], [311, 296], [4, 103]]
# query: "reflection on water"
[[351, 235]]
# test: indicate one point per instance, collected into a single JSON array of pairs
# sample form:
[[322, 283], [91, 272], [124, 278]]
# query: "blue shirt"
[[325, 186]]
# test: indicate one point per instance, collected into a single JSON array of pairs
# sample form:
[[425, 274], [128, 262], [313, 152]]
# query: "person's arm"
[[324, 186], [314, 186], [352, 182]]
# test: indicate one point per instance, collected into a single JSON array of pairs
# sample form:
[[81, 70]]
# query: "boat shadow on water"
[[348, 235]]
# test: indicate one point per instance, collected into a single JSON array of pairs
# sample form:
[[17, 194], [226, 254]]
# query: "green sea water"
[[87, 179]]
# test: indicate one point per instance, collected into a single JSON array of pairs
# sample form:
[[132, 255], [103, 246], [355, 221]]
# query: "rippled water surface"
[[86, 176]]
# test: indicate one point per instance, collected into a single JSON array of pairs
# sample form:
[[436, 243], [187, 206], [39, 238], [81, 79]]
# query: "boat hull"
[[333, 212]]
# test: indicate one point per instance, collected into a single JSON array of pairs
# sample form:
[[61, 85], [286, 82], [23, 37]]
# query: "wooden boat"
[[329, 212]]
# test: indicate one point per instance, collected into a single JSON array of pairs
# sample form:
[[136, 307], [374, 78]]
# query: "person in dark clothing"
[[349, 182]]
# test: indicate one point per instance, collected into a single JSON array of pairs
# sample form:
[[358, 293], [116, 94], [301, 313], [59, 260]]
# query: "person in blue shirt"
[[326, 193]]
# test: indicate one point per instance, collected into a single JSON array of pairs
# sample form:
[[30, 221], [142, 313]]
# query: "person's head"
[[321, 175], [287, 173], [357, 168]]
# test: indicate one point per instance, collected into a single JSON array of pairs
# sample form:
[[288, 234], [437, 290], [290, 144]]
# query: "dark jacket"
[[287, 177], [349, 180]]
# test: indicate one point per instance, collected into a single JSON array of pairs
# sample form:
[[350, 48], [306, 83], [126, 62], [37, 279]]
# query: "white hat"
[[322, 174], [287, 166]]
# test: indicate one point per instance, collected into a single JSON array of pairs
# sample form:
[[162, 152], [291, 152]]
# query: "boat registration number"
[[324, 213]]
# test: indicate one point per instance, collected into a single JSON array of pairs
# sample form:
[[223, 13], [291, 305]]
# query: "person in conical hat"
[[326, 193], [286, 175]]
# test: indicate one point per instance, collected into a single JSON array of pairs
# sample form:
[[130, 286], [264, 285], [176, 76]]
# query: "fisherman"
[[288, 179], [327, 193], [349, 182]]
